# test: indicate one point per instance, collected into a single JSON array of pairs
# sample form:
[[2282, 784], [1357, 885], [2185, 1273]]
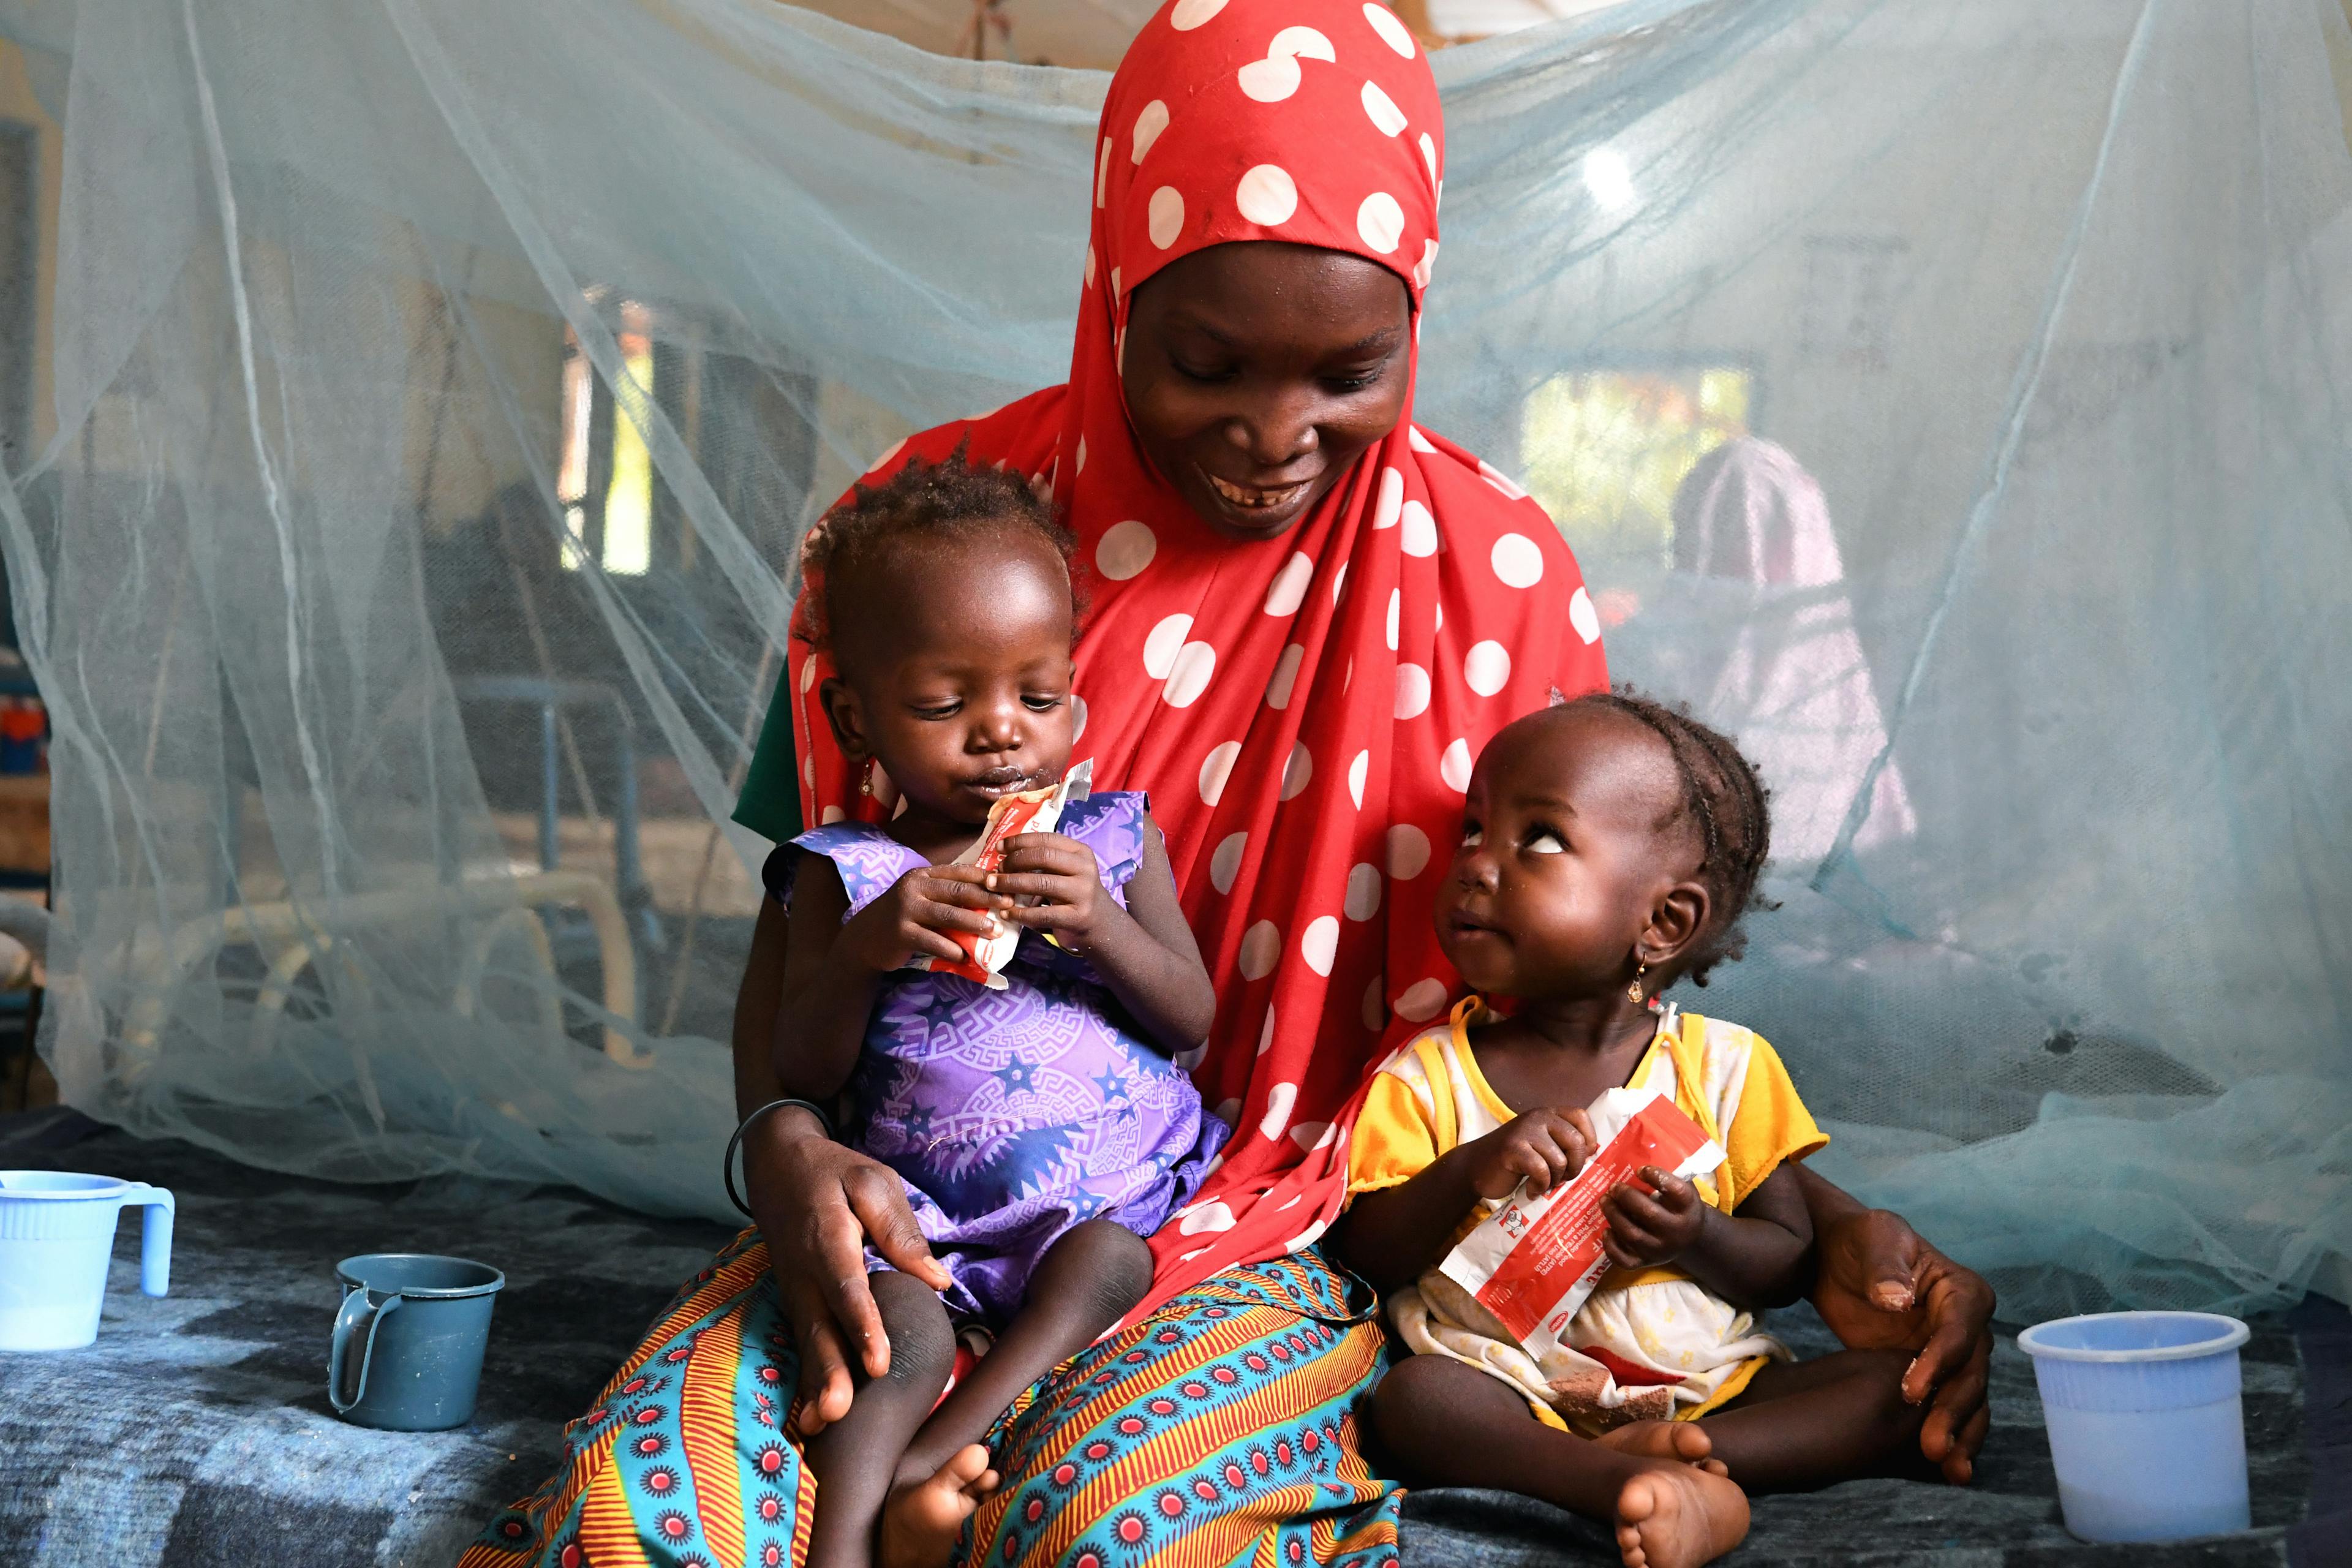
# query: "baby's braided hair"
[[949, 499], [1731, 809]]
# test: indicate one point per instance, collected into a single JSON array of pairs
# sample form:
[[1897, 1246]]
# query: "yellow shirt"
[[1648, 1343], [1430, 1097]]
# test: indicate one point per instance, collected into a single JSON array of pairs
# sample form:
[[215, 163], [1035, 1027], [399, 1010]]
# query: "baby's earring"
[[1634, 992], [865, 785]]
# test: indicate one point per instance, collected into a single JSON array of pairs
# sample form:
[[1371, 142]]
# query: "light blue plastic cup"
[[2147, 1430], [57, 1236]]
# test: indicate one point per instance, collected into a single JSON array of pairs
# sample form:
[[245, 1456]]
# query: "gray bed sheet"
[[196, 1433]]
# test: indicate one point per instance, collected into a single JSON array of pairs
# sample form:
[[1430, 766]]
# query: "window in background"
[[604, 477], [1604, 450]]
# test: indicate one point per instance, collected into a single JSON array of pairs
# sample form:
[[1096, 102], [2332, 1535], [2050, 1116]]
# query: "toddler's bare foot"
[[1683, 1440], [1679, 1516], [924, 1516]]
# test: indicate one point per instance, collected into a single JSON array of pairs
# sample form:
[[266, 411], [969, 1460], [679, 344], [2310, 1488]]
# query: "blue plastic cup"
[[57, 1236], [406, 1354], [2147, 1430]]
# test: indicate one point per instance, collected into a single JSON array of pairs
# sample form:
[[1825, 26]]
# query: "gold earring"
[[865, 785], [1634, 992]]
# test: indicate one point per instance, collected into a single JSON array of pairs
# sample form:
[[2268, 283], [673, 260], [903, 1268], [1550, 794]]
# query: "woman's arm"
[[817, 1204], [1145, 952], [1880, 1285]]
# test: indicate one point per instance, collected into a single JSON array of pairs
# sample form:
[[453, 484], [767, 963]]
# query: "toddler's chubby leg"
[[854, 1458], [1451, 1424], [1811, 1424], [1086, 1282]]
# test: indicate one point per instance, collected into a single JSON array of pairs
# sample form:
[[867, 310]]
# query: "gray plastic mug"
[[407, 1354]]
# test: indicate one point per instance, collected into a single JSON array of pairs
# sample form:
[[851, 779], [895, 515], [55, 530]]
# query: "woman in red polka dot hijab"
[[1308, 615], [1297, 657]]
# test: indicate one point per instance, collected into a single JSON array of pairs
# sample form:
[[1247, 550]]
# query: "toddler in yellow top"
[[1609, 848]]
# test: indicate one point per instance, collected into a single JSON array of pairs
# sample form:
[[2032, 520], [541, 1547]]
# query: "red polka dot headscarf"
[[1239, 119], [1304, 711]]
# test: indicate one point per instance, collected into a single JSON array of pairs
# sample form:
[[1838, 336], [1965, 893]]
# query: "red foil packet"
[[1031, 811], [1534, 1260]]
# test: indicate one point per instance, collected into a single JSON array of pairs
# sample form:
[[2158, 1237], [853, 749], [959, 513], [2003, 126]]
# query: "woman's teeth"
[[1254, 497]]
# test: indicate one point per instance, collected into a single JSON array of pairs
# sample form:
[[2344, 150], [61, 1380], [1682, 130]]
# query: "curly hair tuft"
[[950, 498]]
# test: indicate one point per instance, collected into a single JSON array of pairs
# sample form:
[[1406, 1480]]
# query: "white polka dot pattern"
[[1266, 196], [1517, 561], [1320, 946], [1421, 1001], [1288, 590], [1419, 535], [1488, 669], [1167, 639], [1502, 481], [1296, 772], [1125, 549], [1408, 851], [1393, 32], [1226, 863], [1285, 677], [1189, 677], [1148, 127], [1304, 43], [1278, 1102], [1453, 767], [1166, 216], [1215, 768], [1583, 616], [1261, 946], [1411, 692]]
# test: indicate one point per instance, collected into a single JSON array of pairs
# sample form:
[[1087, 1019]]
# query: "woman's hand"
[[818, 1204], [1062, 874], [1541, 1147], [912, 920], [1649, 1230], [1883, 1286]]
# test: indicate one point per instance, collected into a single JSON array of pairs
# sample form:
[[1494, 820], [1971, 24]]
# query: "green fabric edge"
[[770, 804]]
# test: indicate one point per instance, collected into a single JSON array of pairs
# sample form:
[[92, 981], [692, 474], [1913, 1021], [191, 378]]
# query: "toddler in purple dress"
[[1041, 1130]]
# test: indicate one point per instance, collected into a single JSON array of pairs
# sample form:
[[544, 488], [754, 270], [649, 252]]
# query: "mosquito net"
[[1950, 399]]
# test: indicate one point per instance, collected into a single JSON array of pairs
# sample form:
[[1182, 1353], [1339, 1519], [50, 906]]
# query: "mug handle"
[[359, 1306], [154, 1235]]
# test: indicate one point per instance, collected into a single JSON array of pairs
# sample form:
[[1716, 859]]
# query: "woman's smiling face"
[[1256, 374]]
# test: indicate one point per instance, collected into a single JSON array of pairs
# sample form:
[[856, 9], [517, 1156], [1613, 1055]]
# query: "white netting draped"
[[1952, 399]]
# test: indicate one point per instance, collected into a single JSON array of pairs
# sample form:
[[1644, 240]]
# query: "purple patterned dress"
[[1014, 1114]]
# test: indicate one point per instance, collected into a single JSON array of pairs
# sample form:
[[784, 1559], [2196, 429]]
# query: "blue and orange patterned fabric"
[[1218, 1430]]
